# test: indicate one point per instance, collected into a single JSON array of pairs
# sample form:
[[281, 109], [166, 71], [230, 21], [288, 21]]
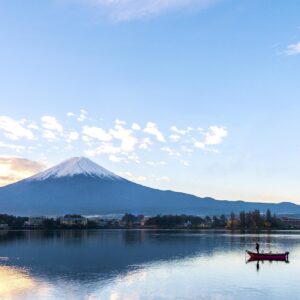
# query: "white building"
[[35, 221], [73, 221]]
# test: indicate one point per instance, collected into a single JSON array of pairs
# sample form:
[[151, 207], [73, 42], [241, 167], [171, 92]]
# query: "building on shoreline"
[[35, 221], [291, 222], [73, 221], [4, 226]]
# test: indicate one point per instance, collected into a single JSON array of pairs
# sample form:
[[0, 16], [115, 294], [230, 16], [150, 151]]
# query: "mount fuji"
[[79, 185]]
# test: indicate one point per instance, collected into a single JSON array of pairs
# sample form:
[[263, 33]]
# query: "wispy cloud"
[[171, 152], [152, 129], [50, 135], [135, 126], [215, 135], [83, 115], [96, 133], [181, 131], [130, 176], [51, 123], [72, 136], [124, 10], [185, 163], [174, 137], [14, 130], [120, 142], [293, 49], [70, 114], [125, 136]]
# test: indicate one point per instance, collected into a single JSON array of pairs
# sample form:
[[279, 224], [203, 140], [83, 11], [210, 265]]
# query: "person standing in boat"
[[257, 247]]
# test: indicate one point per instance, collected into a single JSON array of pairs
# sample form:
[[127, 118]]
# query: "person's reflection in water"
[[257, 266]]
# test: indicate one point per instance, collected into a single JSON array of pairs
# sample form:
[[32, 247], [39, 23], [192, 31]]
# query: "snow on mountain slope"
[[75, 166]]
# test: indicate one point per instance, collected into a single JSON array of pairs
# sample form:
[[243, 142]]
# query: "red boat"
[[268, 256]]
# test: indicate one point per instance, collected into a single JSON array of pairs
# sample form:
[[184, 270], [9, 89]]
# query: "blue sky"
[[211, 86]]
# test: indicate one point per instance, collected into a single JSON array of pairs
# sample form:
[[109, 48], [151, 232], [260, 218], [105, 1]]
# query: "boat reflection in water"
[[261, 257], [268, 256], [261, 260]]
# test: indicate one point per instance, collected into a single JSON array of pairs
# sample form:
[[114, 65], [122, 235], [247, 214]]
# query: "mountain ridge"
[[78, 185]]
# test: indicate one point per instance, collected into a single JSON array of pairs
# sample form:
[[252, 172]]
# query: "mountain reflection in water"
[[139, 264]]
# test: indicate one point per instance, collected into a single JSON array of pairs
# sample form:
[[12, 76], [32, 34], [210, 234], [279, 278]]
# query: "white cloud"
[[90, 152], [215, 135], [175, 129], [128, 141], [118, 144], [184, 148], [130, 176], [123, 10], [151, 128], [88, 140], [120, 122], [115, 158], [135, 126], [69, 147], [185, 163], [23, 121], [174, 137], [107, 148], [70, 114], [170, 151], [145, 143], [73, 136], [13, 130], [51, 123], [134, 157], [96, 133], [33, 126], [115, 153], [49, 135], [199, 145], [293, 49], [83, 115]]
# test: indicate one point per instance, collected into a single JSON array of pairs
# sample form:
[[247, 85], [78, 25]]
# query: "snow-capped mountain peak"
[[75, 166]]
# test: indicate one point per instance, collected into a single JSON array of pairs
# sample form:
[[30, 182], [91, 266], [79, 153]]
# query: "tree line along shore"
[[252, 220]]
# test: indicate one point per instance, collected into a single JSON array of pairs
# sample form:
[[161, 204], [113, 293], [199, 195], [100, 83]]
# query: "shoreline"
[[153, 229]]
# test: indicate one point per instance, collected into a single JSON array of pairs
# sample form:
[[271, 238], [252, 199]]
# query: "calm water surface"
[[112, 264]]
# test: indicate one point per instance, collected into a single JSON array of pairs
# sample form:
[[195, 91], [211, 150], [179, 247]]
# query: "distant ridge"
[[79, 185]]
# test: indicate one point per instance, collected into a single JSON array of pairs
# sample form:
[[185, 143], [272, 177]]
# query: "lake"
[[145, 264]]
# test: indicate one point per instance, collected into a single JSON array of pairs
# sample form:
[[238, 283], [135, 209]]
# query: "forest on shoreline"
[[252, 220]]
